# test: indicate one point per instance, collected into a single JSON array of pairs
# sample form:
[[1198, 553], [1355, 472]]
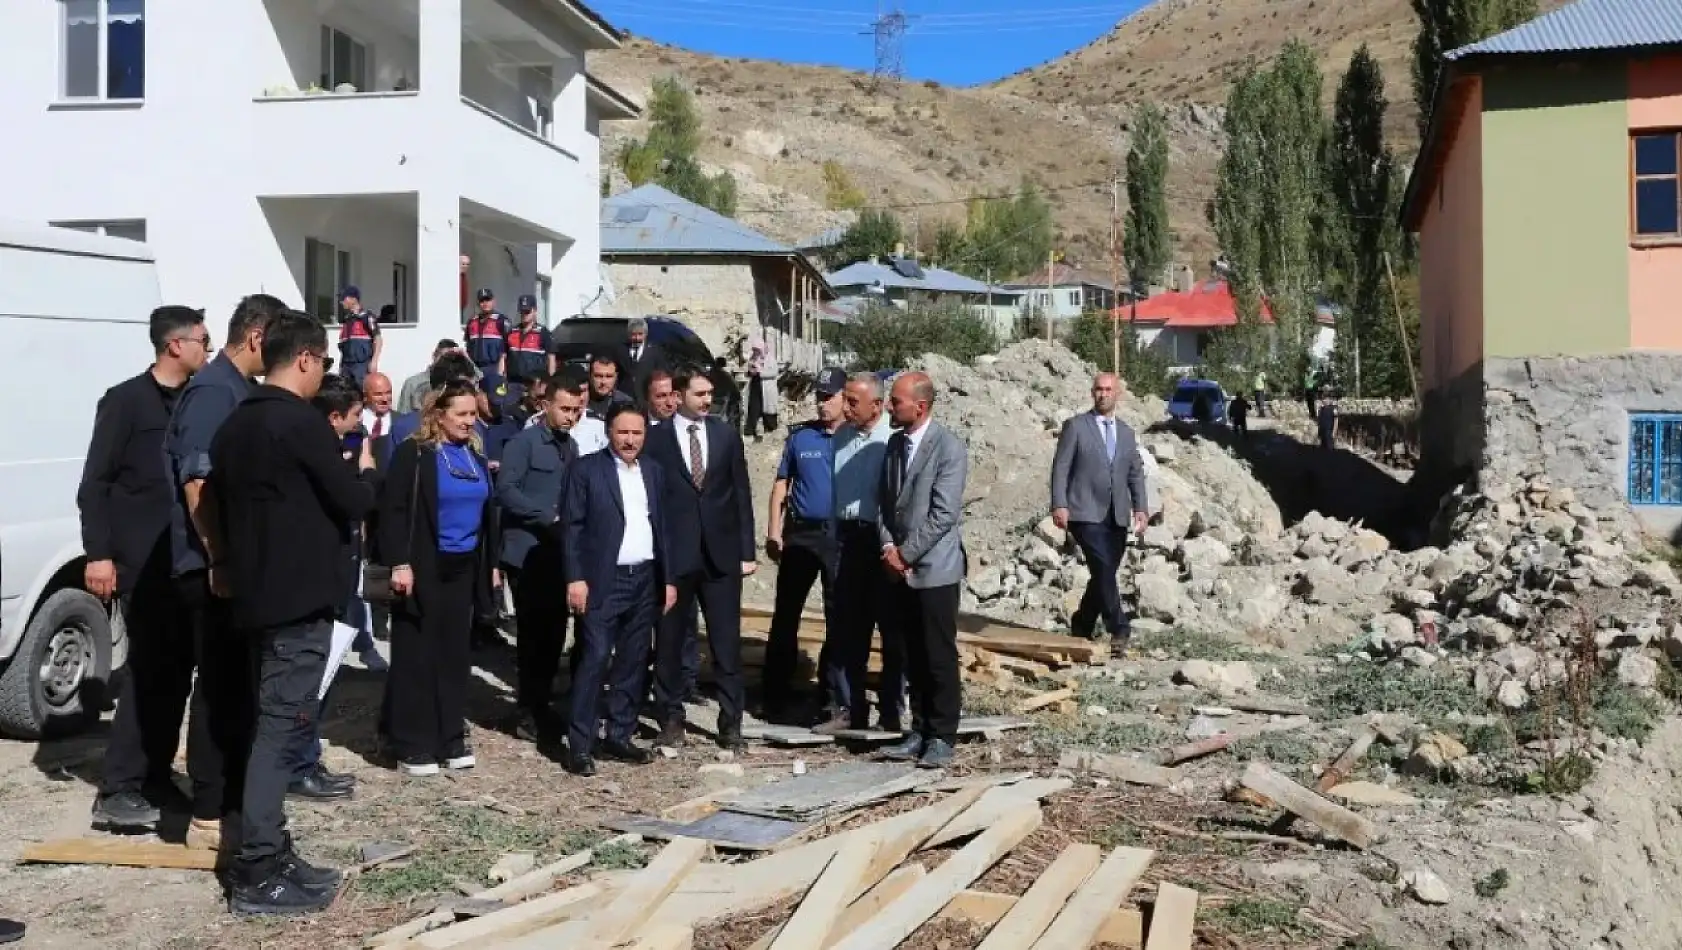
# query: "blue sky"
[[961, 42]]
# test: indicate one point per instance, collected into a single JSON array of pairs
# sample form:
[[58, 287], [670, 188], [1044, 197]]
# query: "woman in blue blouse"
[[437, 530]]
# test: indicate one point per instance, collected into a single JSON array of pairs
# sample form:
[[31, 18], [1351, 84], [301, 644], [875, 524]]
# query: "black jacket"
[[711, 529], [408, 528], [287, 502], [125, 492]]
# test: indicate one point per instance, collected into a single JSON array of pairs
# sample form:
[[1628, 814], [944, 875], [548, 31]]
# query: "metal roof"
[[934, 280], [31, 236], [827, 238], [1587, 25], [652, 220]]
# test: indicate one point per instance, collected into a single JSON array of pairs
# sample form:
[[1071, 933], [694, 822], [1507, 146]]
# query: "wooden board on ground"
[[1076, 926], [732, 831], [1024, 923], [1173, 921], [1120, 767], [1124, 927], [846, 875], [117, 852], [630, 909], [1334, 819], [517, 920], [832, 790], [976, 725]]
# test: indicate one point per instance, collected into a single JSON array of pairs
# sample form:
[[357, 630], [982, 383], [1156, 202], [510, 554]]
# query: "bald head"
[[911, 400], [1106, 391], [376, 391]]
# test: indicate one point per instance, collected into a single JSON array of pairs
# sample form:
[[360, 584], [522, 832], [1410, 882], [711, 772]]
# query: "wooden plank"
[[1024, 923], [1042, 700], [1174, 918], [994, 805], [664, 937], [1334, 819], [118, 852], [981, 780], [916, 906], [1076, 927], [1123, 768], [832, 790], [844, 878], [699, 807], [518, 920], [1267, 704], [861, 910], [1345, 764], [1203, 747], [654, 884], [1124, 927]]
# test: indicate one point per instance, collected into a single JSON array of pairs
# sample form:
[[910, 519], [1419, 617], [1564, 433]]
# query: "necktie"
[[697, 468], [905, 460], [1109, 438], [379, 427]]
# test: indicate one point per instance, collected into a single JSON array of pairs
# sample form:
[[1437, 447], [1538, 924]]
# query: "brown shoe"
[[205, 834], [839, 722]]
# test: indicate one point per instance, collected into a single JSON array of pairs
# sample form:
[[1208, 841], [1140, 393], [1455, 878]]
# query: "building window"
[[400, 293], [343, 60], [1655, 459], [132, 229], [1657, 199], [327, 270], [103, 49]]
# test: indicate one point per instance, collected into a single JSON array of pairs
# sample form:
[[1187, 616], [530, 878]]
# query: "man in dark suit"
[[1097, 491], [617, 568], [710, 508], [641, 359], [530, 486]]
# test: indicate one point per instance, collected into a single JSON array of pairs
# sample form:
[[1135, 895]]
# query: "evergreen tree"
[[1446, 25], [874, 234], [1006, 237], [667, 156], [1147, 240]]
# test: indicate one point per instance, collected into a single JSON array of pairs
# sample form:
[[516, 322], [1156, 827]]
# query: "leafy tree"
[[1092, 338], [667, 156], [1006, 237], [949, 245], [674, 123], [1147, 240], [885, 336], [840, 194], [874, 234], [1446, 25]]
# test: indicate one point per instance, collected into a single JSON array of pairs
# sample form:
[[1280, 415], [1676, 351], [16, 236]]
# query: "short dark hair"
[[625, 408], [338, 394], [562, 382], [654, 376], [254, 312], [570, 377], [686, 375], [450, 368], [604, 360], [169, 320], [290, 334]]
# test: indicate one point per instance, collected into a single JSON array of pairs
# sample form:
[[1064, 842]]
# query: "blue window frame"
[[1655, 459]]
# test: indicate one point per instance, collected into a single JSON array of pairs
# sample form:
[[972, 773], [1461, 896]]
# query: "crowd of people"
[[248, 507]]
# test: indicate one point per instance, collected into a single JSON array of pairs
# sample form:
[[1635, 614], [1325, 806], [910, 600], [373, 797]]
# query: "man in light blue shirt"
[[861, 449]]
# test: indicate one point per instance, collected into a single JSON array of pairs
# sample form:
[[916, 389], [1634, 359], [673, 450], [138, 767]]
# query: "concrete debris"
[[1224, 679], [1425, 887], [1433, 753]]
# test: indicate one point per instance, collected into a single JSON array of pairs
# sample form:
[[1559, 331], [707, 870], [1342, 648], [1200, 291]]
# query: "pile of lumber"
[[859, 889]]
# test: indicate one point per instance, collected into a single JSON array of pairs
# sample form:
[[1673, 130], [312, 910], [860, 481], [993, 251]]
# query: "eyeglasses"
[[326, 361], [203, 341], [470, 474]]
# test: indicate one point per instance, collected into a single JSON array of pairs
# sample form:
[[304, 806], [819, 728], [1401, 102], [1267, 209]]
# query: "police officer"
[[487, 341], [528, 345], [800, 537], [359, 338]]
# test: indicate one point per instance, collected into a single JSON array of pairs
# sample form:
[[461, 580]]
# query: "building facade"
[[413, 148], [1549, 288], [1063, 291], [1182, 324], [901, 281]]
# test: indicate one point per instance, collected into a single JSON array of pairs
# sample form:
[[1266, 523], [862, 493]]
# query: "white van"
[[73, 313]]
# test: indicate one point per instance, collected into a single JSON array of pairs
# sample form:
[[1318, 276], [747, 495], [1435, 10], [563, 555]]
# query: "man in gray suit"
[[919, 519], [1097, 490]]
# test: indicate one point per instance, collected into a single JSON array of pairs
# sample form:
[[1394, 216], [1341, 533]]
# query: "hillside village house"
[[1181, 324], [665, 255], [1548, 203], [1065, 291], [901, 280], [293, 147]]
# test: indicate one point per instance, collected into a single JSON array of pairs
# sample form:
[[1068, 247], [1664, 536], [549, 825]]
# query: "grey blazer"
[[1087, 482], [922, 511]]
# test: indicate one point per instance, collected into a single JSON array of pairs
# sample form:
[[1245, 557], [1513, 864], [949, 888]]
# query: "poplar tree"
[[1147, 240], [1446, 25]]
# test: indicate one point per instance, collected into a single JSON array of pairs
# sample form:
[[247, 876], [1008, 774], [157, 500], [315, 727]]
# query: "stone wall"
[[1567, 419]]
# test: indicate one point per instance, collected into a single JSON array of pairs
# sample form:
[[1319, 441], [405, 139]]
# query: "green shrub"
[[889, 337]]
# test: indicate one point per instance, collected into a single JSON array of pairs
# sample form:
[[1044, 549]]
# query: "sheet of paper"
[[343, 635]]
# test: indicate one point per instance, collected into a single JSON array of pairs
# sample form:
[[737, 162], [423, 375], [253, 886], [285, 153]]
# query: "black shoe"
[[694, 697], [526, 728], [580, 765], [731, 740], [10, 931], [625, 752], [908, 749], [314, 786], [125, 812], [336, 778], [671, 734], [1120, 643], [308, 875], [167, 796], [937, 754], [278, 894]]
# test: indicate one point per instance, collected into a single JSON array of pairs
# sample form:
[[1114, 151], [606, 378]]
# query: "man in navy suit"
[[614, 558], [710, 509]]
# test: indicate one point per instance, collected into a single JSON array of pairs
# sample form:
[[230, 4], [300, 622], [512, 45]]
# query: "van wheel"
[[57, 681]]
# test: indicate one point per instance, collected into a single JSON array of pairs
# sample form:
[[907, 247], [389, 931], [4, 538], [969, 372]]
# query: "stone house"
[[664, 255], [1548, 202]]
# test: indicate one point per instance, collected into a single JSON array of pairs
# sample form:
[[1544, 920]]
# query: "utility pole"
[[989, 295], [1115, 273], [1050, 295]]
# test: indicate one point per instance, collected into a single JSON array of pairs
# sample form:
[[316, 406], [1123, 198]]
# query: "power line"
[[816, 15]]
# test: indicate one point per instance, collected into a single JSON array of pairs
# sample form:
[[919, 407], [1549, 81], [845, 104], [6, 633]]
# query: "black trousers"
[[431, 661], [721, 604], [926, 623], [860, 590], [291, 662], [223, 711], [152, 697], [1103, 545], [614, 645], [809, 554], [540, 612]]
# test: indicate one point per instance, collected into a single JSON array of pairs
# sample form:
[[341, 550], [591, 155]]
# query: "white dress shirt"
[[681, 426], [637, 546], [590, 435], [369, 417]]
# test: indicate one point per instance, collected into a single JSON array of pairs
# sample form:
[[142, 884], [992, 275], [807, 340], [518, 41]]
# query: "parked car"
[[1184, 400], [580, 339], [59, 645]]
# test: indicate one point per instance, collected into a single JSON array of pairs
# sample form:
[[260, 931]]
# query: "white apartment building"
[[419, 149]]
